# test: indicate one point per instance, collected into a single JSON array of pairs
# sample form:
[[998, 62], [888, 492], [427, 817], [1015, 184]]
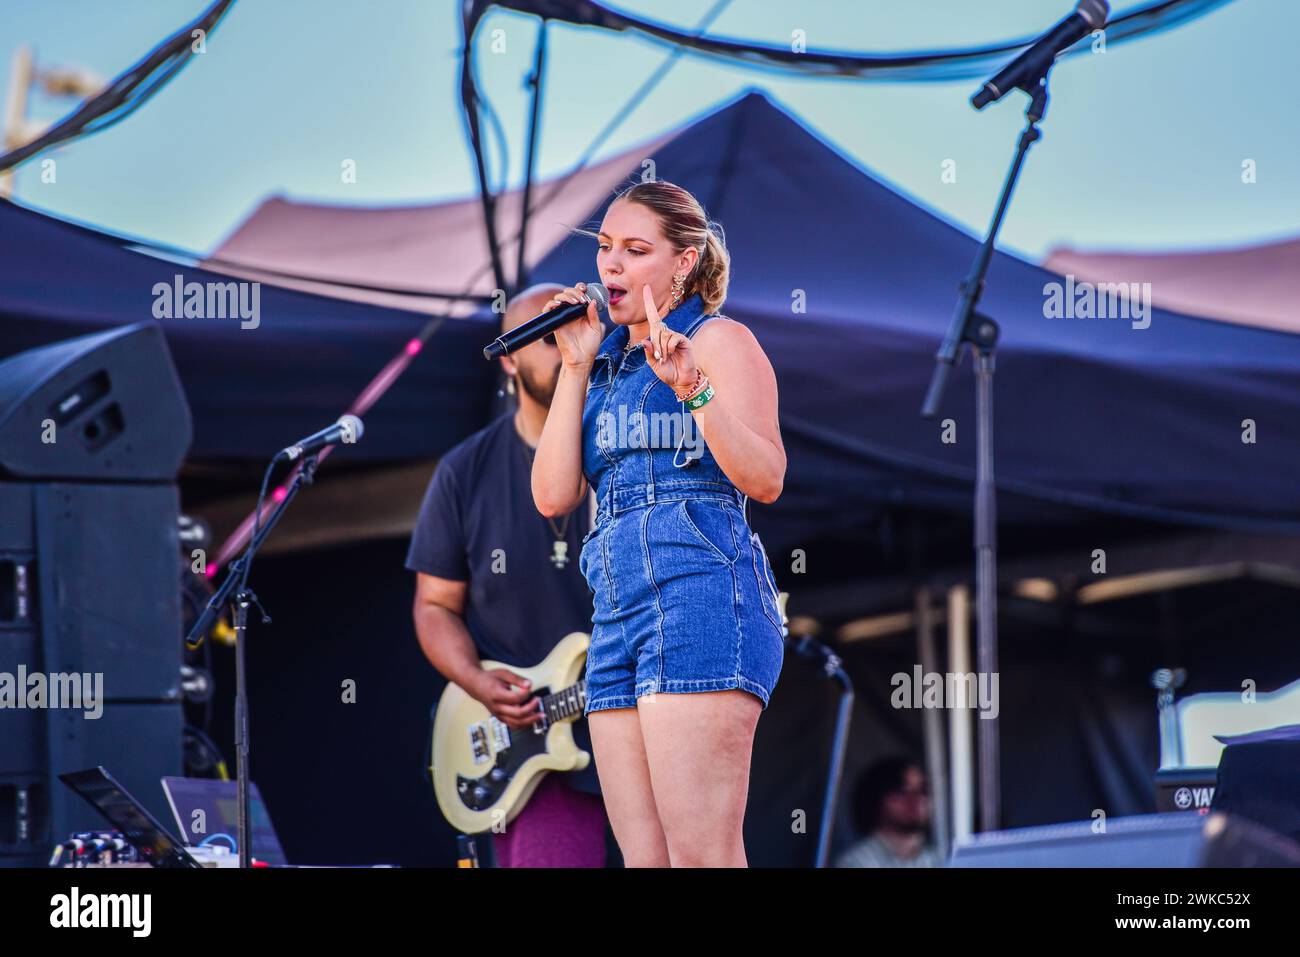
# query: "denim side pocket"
[[588, 550], [711, 525]]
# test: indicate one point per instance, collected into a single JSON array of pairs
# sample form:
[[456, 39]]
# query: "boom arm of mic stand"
[[960, 328], [234, 574]]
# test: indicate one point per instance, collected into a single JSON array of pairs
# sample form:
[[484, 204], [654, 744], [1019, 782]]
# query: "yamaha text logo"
[[1186, 798]]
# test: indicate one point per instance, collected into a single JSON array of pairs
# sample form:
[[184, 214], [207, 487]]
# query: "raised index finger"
[[651, 312]]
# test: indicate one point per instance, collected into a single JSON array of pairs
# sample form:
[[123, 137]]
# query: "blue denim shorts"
[[684, 600]]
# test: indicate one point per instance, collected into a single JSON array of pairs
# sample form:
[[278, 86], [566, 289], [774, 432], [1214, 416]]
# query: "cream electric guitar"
[[483, 770]]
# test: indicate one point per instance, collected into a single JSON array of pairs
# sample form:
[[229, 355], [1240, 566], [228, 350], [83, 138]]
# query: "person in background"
[[478, 508], [891, 806]]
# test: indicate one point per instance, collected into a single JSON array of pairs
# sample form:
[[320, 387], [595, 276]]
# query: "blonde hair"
[[684, 223]]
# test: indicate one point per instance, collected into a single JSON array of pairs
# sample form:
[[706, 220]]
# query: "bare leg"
[[698, 747], [625, 785]]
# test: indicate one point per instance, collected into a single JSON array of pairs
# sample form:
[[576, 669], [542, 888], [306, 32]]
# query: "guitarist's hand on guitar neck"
[[507, 695]]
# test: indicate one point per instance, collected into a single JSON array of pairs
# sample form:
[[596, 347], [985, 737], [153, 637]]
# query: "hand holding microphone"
[[579, 340], [578, 331]]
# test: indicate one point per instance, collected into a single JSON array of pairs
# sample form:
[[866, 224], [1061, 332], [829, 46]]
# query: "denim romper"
[[684, 596]]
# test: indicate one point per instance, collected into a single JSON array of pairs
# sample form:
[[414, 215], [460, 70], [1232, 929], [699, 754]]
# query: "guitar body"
[[483, 770]]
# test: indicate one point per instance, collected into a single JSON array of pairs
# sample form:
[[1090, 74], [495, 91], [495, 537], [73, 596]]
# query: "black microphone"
[[1088, 15], [347, 430], [543, 325]]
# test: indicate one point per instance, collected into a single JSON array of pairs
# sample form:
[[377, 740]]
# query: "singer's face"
[[634, 253]]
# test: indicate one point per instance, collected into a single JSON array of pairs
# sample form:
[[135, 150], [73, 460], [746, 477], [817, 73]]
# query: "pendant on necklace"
[[560, 554]]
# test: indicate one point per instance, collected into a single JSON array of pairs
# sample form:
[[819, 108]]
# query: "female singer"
[[686, 641]]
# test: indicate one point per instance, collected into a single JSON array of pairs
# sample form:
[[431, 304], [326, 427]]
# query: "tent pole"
[[960, 749], [932, 722], [469, 101], [539, 65]]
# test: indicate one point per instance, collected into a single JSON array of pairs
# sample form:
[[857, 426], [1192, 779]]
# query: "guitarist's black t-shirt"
[[478, 524]]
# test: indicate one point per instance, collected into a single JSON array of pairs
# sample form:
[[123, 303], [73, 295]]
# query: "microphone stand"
[[806, 646], [830, 665], [236, 585], [981, 332]]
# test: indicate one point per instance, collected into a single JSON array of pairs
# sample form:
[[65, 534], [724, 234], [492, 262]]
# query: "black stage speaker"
[[92, 433], [1259, 779], [1145, 840], [105, 407]]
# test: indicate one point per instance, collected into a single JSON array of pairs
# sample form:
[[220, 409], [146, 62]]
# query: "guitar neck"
[[567, 703]]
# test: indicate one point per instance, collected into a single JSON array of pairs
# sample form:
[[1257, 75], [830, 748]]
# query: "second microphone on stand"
[[348, 429]]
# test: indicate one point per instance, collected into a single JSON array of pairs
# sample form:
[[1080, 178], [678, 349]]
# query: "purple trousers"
[[558, 827]]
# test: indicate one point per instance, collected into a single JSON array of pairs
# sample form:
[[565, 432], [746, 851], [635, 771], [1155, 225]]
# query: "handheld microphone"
[[347, 430], [1088, 15], [543, 325]]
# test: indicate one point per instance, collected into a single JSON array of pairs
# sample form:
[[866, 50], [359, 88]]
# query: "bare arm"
[[557, 480], [740, 422], [446, 642], [558, 483], [440, 627]]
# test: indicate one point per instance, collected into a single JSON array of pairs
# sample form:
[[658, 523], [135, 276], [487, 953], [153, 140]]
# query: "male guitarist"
[[497, 580]]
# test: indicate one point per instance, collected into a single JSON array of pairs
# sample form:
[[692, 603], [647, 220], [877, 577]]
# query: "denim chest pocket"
[[711, 525]]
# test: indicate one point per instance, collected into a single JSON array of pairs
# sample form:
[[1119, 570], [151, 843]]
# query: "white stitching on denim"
[[738, 611], [590, 654], [739, 681], [603, 704], [650, 458], [761, 580], [622, 618], [608, 582], [650, 573]]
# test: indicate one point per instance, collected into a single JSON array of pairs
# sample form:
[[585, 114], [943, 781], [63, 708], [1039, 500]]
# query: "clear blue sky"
[[1143, 145]]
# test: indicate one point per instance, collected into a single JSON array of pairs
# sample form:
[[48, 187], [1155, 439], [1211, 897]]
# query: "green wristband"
[[701, 399]]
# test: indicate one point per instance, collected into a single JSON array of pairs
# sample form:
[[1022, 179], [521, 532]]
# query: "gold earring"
[[679, 282], [510, 385]]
